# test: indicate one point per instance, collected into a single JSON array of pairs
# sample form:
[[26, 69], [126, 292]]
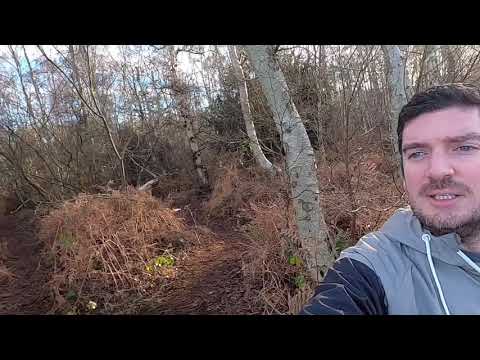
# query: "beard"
[[466, 225]]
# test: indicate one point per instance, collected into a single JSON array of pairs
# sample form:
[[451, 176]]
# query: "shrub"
[[111, 249]]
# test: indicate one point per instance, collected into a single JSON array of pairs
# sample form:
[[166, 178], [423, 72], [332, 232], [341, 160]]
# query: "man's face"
[[441, 157]]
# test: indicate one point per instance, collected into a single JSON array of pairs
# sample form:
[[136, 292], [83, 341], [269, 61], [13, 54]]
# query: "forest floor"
[[209, 281], [22, 282]]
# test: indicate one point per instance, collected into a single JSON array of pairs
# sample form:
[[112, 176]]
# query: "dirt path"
[[210, 281], [23, 290]]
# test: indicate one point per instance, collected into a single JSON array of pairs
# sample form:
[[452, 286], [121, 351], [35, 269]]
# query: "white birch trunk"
[[190, 122], [407, 79], [448, 58], [322, 86], [432, 64], [260, 158], [300, 161], [396, 88]]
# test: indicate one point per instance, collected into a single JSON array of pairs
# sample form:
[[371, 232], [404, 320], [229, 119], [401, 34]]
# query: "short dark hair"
[[434, 99]]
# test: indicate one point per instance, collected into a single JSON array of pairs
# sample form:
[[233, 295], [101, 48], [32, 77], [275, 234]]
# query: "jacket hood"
[[404, 227], [420, 272]]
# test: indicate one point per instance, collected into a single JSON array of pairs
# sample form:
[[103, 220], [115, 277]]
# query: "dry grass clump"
[[258, 205], [111, 248], [236, 188], [273, 269], [376, 196], [169, 186], [226, 198]]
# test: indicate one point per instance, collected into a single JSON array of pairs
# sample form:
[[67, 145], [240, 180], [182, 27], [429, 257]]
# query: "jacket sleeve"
[[349, 288]]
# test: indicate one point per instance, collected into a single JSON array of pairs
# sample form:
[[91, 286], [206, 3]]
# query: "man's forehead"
[[443, 124]]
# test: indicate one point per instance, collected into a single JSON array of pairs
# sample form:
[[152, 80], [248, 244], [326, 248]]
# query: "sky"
[[113, 50]]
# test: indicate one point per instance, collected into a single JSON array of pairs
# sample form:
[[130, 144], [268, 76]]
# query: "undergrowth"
[[111, 251]]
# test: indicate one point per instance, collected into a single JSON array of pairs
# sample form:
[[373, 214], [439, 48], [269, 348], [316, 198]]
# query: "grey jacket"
[[420, 273]]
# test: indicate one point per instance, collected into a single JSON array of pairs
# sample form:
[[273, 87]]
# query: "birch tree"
[[180, 95], [396, 88], [300, 161], [324, 92], [432, 64], [260, 158], [407, 79], [448, 57]]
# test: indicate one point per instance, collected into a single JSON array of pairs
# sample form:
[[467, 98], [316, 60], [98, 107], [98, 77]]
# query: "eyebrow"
[[466, 137], [415, 145], [450, 139]]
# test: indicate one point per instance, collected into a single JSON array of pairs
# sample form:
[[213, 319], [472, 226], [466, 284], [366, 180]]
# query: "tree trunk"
[[396, 88], [260, 158], [300, 161], [432, 64], [449, 58], [323, 100], [180, 94], [404, 50]]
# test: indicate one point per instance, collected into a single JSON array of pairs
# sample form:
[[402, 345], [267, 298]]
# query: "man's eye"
[[466, 148], [417, 155]]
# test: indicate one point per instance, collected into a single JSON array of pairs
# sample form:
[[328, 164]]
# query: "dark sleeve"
[[349, 288]]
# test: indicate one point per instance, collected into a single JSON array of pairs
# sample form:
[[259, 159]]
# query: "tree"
[[300, 160], [396, 88], [432, 64], [260, 158], [180, 94], [448, 57]]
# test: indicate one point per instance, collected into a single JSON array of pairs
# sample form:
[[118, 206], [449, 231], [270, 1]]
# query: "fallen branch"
[[148, 185]]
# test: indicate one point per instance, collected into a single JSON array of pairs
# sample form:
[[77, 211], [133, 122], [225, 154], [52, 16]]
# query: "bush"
[[112, 249], [273, 265], [376, 196], [235, 189]]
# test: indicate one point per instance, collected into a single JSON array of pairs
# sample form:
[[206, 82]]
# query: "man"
[[425, 259]]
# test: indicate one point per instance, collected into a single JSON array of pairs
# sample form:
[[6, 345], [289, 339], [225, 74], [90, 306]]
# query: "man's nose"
[[440, 166]]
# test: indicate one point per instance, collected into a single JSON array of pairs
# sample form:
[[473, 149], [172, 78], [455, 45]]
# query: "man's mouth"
[[444, 196]]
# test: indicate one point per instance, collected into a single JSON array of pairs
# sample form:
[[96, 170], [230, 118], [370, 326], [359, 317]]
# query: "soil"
[[210, 281], [22, 285]]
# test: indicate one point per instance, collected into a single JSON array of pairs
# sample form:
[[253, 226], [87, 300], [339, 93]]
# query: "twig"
[[194, 222], [380, 210], [19, 207], [148, 185], [269, 304]]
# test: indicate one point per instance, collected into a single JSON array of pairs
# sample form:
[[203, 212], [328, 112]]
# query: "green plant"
[[160, 261], [300, 281], [342, 240], [295, 260], [71, 295], [66, 239]]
